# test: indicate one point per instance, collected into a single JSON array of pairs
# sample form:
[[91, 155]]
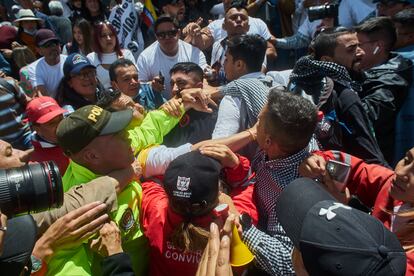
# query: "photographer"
[[333, 13]]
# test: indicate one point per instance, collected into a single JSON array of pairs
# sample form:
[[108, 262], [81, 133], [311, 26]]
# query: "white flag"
[[125, 20]]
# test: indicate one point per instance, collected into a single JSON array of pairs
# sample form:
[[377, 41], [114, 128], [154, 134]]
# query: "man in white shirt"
[[246, 93], [164, 53], [204, 38], [46, 72]]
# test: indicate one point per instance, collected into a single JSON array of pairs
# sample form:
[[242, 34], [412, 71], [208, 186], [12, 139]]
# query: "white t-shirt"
[[102, 73], [41, 73], [257, 26], [152, 61]]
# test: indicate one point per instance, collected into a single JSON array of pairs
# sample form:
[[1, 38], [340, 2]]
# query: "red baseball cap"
[[43, 109]]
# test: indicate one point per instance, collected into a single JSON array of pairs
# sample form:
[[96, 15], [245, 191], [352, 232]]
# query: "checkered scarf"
[[253, 92], [308, 71]]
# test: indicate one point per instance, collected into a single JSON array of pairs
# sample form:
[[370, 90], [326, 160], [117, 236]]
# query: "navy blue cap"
[[75, 63]]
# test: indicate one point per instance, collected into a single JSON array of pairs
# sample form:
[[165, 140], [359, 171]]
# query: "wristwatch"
[[245, 221], [36, 264]]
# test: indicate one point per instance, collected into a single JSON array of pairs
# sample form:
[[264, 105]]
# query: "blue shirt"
[[149, 99]]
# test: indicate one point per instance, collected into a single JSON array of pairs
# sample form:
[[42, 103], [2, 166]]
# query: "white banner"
[[125, 20]]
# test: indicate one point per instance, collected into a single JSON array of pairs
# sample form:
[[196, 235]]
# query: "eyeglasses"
[[86, 75], [169, 34], [50, 44]]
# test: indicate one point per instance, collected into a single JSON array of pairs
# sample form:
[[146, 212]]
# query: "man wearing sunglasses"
[[155, 61], [46, 73]]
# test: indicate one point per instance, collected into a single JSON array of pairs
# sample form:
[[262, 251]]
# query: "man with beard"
[[175, 9], [385, 80], [324, 76], [46, 73]]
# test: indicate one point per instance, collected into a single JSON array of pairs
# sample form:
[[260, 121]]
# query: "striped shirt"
[[12, 106]]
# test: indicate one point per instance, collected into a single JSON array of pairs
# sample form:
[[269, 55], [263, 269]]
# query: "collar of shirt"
[[254, 75], [42, 142], [79, 174], [291, 160]]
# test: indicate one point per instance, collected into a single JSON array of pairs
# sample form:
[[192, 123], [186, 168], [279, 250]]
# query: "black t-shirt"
[[194, 126]]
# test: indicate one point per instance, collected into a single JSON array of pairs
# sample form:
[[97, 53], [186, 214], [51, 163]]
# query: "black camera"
[[31, 188], [323, 11]]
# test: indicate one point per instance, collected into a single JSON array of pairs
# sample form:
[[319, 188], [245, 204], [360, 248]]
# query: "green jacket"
[[81, 260]]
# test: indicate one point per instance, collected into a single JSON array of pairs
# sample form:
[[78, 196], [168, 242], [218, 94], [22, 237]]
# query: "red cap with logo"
[[43, 109]]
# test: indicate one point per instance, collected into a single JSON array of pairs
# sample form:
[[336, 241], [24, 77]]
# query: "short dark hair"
[[249, 48], [238, 4], [188, 67], [290, 120], [405, 18], [379, 28], [235, 3], [326, 42], [163, 19], [122, 62]]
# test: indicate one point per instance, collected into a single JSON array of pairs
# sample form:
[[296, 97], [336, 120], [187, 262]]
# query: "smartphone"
[[339, 172]]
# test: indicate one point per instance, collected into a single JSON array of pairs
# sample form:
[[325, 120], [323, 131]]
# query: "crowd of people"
[[191, 135]]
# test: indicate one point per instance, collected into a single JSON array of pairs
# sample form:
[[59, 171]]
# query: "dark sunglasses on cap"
[[169, 34]]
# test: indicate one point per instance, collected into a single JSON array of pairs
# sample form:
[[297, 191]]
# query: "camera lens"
[[32, 188]]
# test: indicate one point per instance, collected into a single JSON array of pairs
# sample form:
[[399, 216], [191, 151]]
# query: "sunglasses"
[[169, 34]]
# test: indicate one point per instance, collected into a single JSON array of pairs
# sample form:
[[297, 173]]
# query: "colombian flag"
[[148, 15]]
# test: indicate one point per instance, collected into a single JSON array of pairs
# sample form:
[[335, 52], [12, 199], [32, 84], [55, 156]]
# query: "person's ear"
[[114, 85], [268, 141], [326, 58], [240, 65], [199, 85], [379, 47], [90, 156]]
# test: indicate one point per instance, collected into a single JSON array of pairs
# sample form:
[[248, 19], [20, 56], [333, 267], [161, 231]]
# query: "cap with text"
[[85, 124], [192, 180], [43, 109], [74, 63]]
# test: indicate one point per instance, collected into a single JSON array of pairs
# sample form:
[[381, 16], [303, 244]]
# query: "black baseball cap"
[[19, 242], [335, 239], [85, 124], [192, 181]]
